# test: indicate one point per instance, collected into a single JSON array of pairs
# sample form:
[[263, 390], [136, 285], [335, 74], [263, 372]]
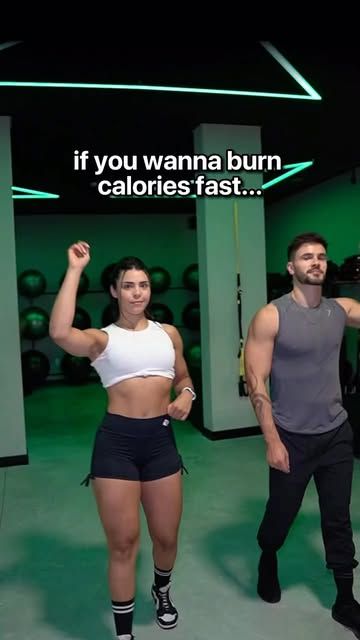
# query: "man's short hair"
[[310, 237]]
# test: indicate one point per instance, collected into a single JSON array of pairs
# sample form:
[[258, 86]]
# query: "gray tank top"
[[305, 382]]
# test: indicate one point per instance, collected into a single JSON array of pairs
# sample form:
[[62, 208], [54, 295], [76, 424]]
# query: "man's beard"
[[309, 278]]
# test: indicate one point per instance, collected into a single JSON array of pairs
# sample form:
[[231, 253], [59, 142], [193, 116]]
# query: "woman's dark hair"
[[129, 262], [125, 264], [305, 238]]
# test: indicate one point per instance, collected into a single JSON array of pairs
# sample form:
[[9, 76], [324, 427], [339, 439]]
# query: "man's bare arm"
[[258, 358], [352, 310]]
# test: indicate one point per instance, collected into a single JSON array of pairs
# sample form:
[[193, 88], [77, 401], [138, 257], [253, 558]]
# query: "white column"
[[12, 423], [223, 408]]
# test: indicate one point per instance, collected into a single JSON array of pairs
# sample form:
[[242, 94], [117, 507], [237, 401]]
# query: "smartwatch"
[[191, 391]]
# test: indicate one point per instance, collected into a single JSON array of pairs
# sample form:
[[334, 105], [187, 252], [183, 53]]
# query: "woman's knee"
[[124, 548], [167, 541]]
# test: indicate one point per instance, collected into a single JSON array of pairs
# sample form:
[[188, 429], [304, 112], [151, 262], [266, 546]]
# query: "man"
[[295, 341]]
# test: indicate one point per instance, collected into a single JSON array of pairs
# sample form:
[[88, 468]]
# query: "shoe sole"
[[167, 626], [272, 601], [172, 626], [346, 626]]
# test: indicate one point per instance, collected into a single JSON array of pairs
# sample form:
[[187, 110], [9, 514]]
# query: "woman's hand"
[[79, 255], [180, 408]]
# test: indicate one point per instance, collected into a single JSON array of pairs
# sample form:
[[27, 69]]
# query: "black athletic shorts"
[[140, 449]]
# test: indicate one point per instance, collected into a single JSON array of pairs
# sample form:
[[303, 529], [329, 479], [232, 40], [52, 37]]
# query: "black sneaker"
[[348, 615], [166, 614], [268, 586]]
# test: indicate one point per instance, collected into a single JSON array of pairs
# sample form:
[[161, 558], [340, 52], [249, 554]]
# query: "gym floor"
[[53, 564]]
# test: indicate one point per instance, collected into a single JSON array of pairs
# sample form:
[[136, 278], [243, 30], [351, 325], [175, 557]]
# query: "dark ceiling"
[[49, 124]]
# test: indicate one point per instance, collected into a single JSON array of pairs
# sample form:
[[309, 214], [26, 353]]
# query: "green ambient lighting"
[[310, 94], [32, 194], [296, 167]]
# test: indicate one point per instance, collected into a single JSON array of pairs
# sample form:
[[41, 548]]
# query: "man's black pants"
[[329, 458]]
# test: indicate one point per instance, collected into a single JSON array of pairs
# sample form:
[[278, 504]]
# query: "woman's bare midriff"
[[146, 397]]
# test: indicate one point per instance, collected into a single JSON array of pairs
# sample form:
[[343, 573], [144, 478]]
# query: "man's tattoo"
[[258, 400]]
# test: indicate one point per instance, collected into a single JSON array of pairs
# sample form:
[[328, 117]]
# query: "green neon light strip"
[[296, 167], [311, 94], [32, 194], [6, 45], [144, 87], [291, 70]]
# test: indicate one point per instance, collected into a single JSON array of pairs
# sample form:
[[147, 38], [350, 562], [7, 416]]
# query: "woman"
[[135, 459]]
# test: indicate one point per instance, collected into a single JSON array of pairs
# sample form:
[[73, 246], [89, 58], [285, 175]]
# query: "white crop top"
[[130, 354]]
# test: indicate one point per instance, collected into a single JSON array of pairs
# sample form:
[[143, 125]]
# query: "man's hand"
[[277, 456]]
